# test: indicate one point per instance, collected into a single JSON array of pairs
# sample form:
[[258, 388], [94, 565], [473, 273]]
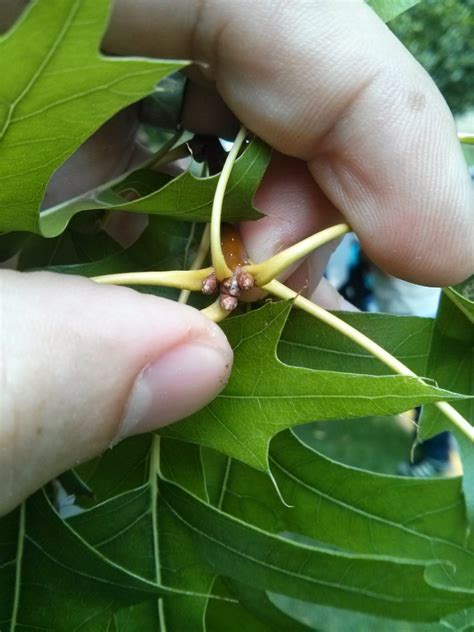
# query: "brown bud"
[[228, 302], [231, 285], [209, 285], [245, 280]]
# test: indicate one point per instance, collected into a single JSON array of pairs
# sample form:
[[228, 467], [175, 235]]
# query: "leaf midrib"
[[344, 588]]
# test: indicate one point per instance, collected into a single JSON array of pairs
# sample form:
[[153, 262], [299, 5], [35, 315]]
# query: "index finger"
[[328, 82]]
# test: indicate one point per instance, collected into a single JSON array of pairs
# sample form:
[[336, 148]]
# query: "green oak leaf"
[[184, 197], [441, 349], [451, 363], [189, 198], [389, 9], [377, 584], [57, 89], [422, 519], [121, 561], [153, 543], [393, 518], [347, 509], [39, 550], [158, 516], [264, 395], [325, 497], [412, 529], [318, 346], [149, 538]]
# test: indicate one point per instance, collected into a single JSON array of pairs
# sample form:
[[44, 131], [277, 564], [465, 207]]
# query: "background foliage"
[[439, 33]]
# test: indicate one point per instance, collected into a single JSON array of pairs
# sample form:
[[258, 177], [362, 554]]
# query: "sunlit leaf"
[[389, 9], [56, 90]]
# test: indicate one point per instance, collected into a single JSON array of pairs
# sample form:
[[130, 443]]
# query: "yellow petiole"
[[183, 279]]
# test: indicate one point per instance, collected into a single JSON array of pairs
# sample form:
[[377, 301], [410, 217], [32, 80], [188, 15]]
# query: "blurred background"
[[440, 34]]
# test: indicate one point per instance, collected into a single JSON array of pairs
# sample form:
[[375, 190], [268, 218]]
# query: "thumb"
[[83, 366]]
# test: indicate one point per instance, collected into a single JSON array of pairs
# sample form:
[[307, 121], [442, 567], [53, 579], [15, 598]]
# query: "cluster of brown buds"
[[230, 289], [236, 258]]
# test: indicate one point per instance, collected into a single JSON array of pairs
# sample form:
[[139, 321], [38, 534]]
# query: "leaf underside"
[[264, 396]]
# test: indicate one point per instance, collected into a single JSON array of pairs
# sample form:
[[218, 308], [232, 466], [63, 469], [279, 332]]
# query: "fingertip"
[[294, 208], [429, 243], [73, 351], [177, 384]]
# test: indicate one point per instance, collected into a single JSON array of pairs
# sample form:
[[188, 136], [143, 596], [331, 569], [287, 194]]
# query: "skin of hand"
[[359, 131]]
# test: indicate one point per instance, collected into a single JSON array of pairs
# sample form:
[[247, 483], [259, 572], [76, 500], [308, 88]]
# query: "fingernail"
[[181, 382]]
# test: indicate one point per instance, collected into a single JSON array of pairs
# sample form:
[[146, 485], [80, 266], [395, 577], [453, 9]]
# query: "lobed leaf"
[[379, 585], [264, 395], [381, 545], [56, 90], [184, 197]]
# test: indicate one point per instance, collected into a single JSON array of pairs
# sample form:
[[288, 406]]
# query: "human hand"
[[365, 134]]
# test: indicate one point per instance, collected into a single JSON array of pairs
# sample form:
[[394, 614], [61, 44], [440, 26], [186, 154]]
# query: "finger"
[[326, 295], [375, 131], [204, 112], [85, 365], [294, 208], [112, 150], [308, 281]]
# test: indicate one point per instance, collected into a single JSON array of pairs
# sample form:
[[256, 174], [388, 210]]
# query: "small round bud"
[[228, 302], [231, 286], [245, 280], [209, 285]]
